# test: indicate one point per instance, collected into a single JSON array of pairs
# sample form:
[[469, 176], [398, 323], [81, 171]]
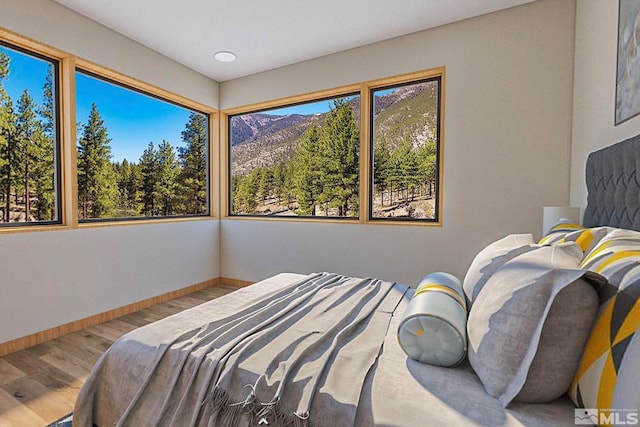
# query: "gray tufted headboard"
[[613, 185]]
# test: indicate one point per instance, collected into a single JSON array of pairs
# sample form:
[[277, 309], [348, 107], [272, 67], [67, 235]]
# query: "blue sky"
[[318, 106], [304, 109], [385, 91], [131, 118], [25, 72]]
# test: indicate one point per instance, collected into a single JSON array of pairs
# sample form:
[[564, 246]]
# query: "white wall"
[[506, 147], [51, 278], [595, 89], [53, 24]]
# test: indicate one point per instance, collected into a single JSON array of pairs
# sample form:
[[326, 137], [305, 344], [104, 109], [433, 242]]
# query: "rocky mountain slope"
[[262, 139]]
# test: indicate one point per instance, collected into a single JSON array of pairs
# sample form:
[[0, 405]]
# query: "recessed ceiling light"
[[225, 56]]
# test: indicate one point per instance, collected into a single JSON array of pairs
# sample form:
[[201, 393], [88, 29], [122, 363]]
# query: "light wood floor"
[[39, 385]]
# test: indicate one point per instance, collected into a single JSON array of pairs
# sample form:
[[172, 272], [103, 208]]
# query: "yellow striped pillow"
[[612, 244], [609, 370], [558, 232], [586, 238]]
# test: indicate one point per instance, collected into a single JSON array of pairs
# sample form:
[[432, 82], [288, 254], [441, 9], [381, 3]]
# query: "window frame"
[[225, 152], [67, 202], [218, 181], [56, 58], [229, 158], [111, 77], [401, 82], [366, 149]]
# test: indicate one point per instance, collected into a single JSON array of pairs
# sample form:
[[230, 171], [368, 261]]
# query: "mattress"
[[397, 391]]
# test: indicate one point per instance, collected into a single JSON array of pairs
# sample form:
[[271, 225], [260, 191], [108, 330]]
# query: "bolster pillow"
[[433, 329]]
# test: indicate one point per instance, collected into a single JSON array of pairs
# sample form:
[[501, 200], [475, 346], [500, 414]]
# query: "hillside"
[[263, 140], [254, 127], [410, 112]]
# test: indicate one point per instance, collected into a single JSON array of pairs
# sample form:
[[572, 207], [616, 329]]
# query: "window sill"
[[127, 223], [323, 220], [407, 222], [33, 228]]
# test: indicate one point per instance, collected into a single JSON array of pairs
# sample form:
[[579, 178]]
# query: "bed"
[[396, 391], [170, 372]]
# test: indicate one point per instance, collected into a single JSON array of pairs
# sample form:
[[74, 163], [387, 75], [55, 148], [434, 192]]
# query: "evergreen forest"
[[165, 181], [27, 167], [311, 167], [321, 178]]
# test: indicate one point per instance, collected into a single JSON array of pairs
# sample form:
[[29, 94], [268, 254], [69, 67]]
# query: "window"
[[138, 155], [29, 146], [302, 157], [405, 146], [300, 160], [134, 151]]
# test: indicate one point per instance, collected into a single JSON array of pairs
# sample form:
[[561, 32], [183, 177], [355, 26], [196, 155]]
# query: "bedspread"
[[298, 356], [397, 391]]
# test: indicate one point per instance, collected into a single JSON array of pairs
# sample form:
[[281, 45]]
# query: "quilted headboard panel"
[[613, 186]]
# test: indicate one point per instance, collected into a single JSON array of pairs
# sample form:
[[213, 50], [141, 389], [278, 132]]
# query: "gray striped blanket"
[[299, 356]]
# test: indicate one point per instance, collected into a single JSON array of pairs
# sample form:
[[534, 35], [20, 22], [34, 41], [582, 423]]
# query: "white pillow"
[[433, 329], [529, 325], [492, 258]]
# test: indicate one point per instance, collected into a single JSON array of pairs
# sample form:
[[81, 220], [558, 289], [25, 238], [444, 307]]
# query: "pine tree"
[[265, 186], [279, 176], [10, 153], [149, 171], [134, 186], [395, 178], [44, 170], [340, 141], [8, 140], [97, 185], [168, 172], [306, 171], [121, 170], [427, 159], [32, 147], [193, 160], [245, 200], [235, 193], [290, 189], [4, 102], [47, 111], [107, 199], [381, 158], [129, 182], [408, 167]]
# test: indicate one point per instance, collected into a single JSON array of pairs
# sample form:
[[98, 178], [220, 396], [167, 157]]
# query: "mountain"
[[382, 102], [253, 127], [265, 139], [261, 139], [409, 112]]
